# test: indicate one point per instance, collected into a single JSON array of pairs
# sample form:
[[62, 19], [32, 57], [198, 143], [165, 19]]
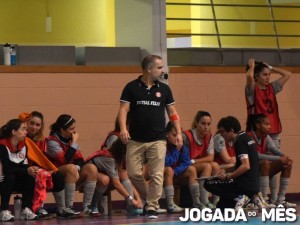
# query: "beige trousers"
[[152, 153]]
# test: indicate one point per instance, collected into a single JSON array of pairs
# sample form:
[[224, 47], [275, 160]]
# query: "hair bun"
[[24, 117]]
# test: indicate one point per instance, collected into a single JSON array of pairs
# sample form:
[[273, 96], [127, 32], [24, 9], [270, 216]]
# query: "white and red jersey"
[[262, 146]]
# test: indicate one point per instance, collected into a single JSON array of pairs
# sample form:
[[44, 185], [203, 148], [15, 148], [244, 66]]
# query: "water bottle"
[[17, 207], [6, 53], [13, 55]]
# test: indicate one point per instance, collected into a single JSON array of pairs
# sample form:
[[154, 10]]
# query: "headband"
[[68, 121]]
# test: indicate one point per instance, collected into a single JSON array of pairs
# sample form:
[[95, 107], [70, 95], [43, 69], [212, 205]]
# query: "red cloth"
[[42, 183]]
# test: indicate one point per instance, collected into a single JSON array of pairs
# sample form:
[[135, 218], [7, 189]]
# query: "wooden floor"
[[119, 218]]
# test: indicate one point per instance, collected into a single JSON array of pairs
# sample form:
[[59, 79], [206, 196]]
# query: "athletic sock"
[[128, 186], [284, 182], [98, 193], [69, 194], [195, 193], [60, 200], [273, 188], [169, 193], [264, 185], [203, 193], [88, 191]]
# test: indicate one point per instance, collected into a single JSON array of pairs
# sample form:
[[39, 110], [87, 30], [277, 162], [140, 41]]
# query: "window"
[[233, 24]]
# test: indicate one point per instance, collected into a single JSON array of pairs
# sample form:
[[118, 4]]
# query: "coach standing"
[[145, 99]]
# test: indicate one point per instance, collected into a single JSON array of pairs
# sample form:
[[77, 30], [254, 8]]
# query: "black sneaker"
[[67, 213], [43, 214], [151, 214], [145, 210], [73, 210], [91, 211]]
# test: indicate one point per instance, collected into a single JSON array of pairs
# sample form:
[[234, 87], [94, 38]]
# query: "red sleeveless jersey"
[[64, 147], [104, 144], [229, 149], [261, 148], [265, 102], [196, 150], [103, 150]]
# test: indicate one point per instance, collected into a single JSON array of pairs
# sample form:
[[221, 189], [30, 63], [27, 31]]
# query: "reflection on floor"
[[119, 218]]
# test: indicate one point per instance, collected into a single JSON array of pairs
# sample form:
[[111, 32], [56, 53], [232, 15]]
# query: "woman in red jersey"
[[272, 161], [261, 98], [201, 146]]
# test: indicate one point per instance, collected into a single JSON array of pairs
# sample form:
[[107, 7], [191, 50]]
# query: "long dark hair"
[[259, 66], [254, 119], [118, 151], [198, 116], [7, 129], [64, 121]]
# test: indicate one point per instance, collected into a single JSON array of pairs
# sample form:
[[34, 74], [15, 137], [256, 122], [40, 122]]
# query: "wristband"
[[174, 117], [78, 168], [192, 161], [130, 198]]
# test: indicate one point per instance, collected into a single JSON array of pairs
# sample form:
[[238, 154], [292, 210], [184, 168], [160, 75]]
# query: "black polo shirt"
[[245, 145], [147, 109]]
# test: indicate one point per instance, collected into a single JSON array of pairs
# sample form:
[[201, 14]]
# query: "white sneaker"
[[215, 201], [174, 208], [161, 211], [240, 202], [201, 206], [286, 204], [208, 205], [71, 209], [6, 215], [250, 206], [267, 203], [27, 214], [258, 201]]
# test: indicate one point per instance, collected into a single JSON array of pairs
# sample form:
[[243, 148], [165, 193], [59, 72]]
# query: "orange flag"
[[37, 156]]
